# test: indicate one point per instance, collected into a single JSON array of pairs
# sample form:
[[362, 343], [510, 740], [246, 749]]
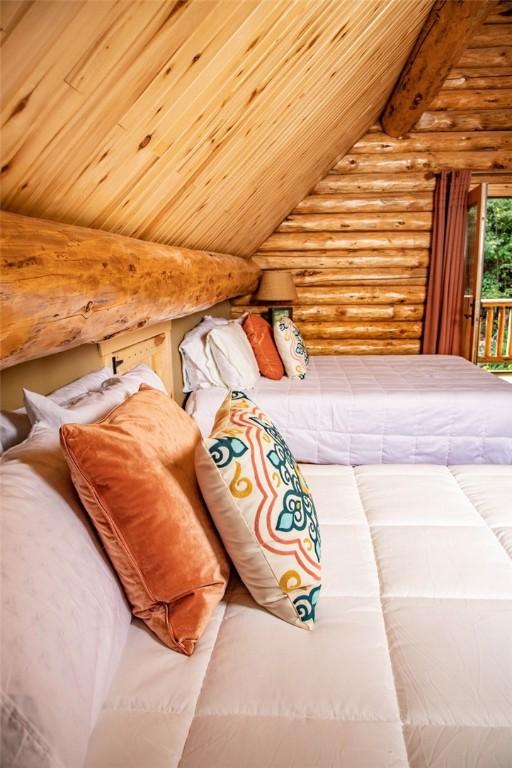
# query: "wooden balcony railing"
[[495, 336]]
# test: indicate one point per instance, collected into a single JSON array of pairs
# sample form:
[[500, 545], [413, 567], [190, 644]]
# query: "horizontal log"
[[364, 347], [479, 77], [499, 190], [63, 285], [380, 143], [500, 12], [391, 257], [369, 203], [376, 182], [376, 295], [444, 35], [397, 294], [491, 35], [281, 241], [358, 222], [373, 276], [432, 161], [487, 120], [356, 312], [468, 99], [500, 56], [364, 330], [491, 178]]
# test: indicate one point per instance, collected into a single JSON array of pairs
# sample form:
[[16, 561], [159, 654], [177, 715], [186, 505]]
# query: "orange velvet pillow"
[[260, 335], [134, 472]]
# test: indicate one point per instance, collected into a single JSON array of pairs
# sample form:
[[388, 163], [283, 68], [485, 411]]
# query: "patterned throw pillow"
[[263, 510], [292, 348]]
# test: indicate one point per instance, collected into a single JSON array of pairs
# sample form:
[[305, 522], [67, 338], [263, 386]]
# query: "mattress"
[[409, 666], [433, 409]]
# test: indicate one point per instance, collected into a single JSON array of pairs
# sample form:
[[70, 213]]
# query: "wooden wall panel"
[[196, 123], [358, 244]]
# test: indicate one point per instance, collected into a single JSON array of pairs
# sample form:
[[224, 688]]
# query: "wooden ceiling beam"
[[64, 285], [438, 47]]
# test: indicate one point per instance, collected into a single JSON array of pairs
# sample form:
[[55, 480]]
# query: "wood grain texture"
[[337, 312], [375, 182], [197, 123], [368, 203], [480, 78], [63, 286], [443, 160], [499, 190], [485, 120], [361, 330], [337, 222], [281, 241], [358, 244], [363, 347], [380, 143], [387, 257], [450, 25]]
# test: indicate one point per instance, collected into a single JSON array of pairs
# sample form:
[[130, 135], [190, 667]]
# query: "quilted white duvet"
[[434, 409], [410, 664]]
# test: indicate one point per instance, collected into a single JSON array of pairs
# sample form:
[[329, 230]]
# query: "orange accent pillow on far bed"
[[260, 335]]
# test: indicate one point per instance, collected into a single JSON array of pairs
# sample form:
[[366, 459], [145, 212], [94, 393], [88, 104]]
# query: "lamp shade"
[[277, 285]]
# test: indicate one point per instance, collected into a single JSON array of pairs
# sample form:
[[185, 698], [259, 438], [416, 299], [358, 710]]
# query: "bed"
[[356, 410], [409, 666]]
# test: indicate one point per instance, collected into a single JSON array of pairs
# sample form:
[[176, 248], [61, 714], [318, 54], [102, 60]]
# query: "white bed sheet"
[[435, 409], [409, 665]]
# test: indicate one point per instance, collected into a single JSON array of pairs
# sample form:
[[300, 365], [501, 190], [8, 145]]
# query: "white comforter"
[[409, 666], [384, 409]]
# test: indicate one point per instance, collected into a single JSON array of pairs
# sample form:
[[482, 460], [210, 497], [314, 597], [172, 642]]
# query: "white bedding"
[[409, 666], [436, 409]]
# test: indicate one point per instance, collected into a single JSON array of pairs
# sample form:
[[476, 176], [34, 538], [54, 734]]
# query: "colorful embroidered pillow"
[[263, 510], [259, 333], [134, 472], [292, 348]]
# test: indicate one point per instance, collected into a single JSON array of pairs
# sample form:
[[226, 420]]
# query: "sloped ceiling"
[[198, 123]]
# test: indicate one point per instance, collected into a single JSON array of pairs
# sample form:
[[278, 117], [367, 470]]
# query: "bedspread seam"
[[485, 522], [185, 740], [381, 600]]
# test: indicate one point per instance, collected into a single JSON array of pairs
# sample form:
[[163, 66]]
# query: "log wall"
[[358, 244]]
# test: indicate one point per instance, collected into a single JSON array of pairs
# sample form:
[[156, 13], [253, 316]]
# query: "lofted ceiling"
[[199, 123]]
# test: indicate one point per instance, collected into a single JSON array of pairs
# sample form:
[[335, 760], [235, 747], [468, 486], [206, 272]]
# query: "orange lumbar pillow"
[[134, 472], [260, 335]]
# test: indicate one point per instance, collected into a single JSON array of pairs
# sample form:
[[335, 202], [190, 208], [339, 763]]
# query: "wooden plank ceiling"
[[198, 123]]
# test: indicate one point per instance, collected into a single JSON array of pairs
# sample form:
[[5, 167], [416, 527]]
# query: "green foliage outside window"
[[497, 277]]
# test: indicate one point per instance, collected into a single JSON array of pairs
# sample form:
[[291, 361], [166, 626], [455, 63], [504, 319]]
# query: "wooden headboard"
[[151, 346]]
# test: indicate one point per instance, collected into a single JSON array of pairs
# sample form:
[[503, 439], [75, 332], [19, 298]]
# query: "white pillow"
[[234, 357], [92, 406], [81, 386], [199, 368], [64, 616], [15, 425]]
